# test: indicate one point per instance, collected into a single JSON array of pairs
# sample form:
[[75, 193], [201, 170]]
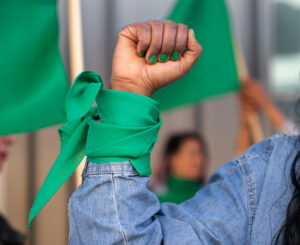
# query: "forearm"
[[114, 206], [275, 116], [243, 138]]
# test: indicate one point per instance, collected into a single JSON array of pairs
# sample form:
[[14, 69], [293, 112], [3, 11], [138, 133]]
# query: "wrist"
[[130, 87]]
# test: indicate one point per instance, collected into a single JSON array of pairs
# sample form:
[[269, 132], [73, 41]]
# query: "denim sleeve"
[[114, 206]]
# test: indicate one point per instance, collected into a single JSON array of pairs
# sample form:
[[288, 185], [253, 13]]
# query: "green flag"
[[33, 81], [215, 72]]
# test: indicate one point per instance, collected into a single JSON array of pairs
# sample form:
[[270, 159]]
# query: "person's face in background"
[[189, 162], [5, 143]]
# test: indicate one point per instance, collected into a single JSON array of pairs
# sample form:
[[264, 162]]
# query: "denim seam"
[[123, 173], [285, 137], [116, 208], [72, 214], [250, 193], [269, 147], [254, 155], [83, 174]]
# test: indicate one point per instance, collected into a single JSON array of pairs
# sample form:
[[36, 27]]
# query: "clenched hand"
[[150, 55]]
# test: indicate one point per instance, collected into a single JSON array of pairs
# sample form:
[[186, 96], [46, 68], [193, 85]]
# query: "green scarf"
[[128, 130]]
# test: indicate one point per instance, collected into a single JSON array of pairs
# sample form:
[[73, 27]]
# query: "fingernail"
[[152, 59], [185, 49], [143, 53], [175, 56], [163, 57]]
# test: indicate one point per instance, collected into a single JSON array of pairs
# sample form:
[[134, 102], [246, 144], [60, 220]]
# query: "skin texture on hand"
[[150, 55], [253, 96]]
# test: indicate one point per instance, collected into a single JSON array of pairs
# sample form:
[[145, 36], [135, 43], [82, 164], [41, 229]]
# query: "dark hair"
[[290, 231], [177, 140], [173, 145]]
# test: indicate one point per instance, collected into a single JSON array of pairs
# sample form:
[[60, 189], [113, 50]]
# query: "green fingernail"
[[163, 57], [175, 56], [143, 53], [185, 49], [152, 59]]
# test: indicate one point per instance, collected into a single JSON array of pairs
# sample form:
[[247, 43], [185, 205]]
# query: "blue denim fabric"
[[244, 202]]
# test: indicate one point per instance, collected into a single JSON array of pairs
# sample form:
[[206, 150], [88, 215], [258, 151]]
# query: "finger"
[[169, 40], [144, 38], [157, 29], [193, 52], [136, 36], [9, 140], [181, 41]]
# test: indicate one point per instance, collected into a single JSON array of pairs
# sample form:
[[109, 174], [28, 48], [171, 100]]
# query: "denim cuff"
[[116, 168]]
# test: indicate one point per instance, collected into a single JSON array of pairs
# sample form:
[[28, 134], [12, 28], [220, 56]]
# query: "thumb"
[[193, 51]]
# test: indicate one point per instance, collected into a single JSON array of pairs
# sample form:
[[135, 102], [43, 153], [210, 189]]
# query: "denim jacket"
[[245, 202]]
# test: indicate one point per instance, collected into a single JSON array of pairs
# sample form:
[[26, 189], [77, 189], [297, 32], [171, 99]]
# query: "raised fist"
[[150, 55]]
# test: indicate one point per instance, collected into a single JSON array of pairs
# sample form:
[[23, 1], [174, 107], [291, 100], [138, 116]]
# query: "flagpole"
[[251, 117], [76, 54]]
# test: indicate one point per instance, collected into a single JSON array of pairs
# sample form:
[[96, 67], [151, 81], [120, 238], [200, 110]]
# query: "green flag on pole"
[[215, 72], [33, 81]]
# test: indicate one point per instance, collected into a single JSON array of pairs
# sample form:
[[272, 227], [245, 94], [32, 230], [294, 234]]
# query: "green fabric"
[[179, 190], [128, 130], [215, 72], [33, 81]]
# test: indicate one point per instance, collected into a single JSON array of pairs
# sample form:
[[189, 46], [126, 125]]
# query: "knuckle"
[[143, 26], [154, 22], [183, 27], [124, 28], [169, 23], [132, 25]]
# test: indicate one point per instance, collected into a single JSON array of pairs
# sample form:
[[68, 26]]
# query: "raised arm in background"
[[254, 99], [253, 96]]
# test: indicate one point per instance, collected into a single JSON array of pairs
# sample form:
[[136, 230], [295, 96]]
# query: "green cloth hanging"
[[128, 130], [33, 81], [215, 72]]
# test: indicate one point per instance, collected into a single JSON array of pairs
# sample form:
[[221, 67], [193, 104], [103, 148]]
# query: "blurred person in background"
[[183, 170], [8, 236]]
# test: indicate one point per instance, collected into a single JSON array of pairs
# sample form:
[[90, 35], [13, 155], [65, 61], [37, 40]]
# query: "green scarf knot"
[[127, 132]]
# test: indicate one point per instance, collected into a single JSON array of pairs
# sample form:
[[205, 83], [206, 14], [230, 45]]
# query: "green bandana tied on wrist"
[[128, 130]]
